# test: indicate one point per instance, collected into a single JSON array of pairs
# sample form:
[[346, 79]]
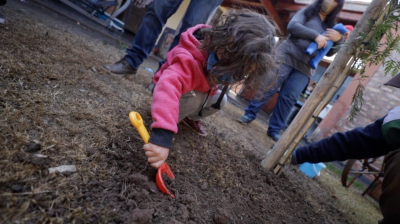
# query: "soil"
[[58, 107]]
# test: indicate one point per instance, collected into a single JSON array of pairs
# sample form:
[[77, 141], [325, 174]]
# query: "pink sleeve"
[[177, 79]]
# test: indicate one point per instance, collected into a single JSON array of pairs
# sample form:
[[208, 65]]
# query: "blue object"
[[311, 169], [323, 51], [150, 70]]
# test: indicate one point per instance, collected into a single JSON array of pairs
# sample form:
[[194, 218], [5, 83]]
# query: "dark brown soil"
[[59, 108]]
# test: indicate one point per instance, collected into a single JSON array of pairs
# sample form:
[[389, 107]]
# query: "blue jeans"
[[154, 20], [292, 83]]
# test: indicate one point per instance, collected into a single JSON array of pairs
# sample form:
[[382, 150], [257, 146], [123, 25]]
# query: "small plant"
[[123, 46]]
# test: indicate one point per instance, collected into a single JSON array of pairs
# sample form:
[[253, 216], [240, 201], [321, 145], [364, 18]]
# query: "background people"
[[151, 27], [294, 73]]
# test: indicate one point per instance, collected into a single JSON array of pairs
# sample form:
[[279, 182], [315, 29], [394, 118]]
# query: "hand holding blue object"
[[323, 51]]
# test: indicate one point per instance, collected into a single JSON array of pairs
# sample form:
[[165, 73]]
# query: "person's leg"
[[257, 103], [288, 95], [207, 110], [194, 16], [390, 197], [190, 104], [196, 13], [149, 30], [2, 19]]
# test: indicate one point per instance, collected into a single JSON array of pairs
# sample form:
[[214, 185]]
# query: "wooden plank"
[[242, 4], [343, 14], [275, 16]]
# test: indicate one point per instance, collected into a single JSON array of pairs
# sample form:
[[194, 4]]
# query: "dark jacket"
[[359, 143]]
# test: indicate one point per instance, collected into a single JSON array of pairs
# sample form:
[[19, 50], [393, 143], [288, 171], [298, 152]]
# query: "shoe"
[[151, 87], [244, 119], [197, 126], [2, 19], [274, 137], [120, 67]]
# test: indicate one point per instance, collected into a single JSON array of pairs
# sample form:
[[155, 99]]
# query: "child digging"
[[239, 47]]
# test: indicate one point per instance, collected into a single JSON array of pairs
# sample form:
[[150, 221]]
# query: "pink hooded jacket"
[[184, 71]]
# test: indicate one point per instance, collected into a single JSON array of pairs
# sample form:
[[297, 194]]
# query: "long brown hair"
[[245, 41]]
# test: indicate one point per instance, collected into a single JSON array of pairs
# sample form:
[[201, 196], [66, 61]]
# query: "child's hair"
[[246, 42]]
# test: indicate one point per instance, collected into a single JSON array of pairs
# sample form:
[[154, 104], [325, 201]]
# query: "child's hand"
[[156, 154], [333, 35], [321, 41]]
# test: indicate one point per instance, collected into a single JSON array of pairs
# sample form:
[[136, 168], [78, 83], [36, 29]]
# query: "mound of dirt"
[[59, 108]]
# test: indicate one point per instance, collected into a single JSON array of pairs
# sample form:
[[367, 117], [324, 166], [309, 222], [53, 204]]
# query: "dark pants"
[[390, 198], [292, 82], [154, 20]]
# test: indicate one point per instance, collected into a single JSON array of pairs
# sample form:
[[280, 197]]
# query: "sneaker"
[[151, 87], [2, 19], [274, 137], [197, 126], [120, 67], [244, 119]]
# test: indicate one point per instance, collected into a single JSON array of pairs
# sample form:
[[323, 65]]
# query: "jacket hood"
[[189, 42]]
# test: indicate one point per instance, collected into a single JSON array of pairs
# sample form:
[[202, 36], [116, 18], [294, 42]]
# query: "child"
[[239, 47]]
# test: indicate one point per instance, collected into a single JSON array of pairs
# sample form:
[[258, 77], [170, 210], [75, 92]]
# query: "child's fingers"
[[147, 147], [157, 164], [150, 153], [155, 161]]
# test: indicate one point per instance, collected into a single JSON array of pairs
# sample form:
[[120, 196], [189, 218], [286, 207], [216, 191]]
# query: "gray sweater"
[[301, 34]]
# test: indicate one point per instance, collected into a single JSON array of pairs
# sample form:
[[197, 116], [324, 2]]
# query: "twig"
[[25, 193], [144, 168]]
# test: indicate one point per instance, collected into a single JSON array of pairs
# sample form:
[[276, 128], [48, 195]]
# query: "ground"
[[58, 107]]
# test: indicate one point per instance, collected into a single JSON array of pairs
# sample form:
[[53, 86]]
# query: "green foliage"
[[357, 101], [373, 51]]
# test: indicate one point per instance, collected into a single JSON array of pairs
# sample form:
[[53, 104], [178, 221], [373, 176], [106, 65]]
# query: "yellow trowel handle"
[[137, 121]]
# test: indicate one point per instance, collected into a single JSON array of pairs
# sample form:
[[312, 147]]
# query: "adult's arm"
[[297, 29], [359, 143]]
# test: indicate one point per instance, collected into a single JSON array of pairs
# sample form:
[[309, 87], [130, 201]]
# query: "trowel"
[[164, 169]]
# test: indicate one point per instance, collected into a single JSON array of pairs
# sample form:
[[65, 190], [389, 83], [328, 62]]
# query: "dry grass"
[[361, 209]]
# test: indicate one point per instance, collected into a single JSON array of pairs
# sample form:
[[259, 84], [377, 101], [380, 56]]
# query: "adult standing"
[[151, 26], [294, 73]]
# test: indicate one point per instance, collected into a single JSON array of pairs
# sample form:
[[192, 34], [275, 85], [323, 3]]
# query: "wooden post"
[[275, 16], [344, 55]]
